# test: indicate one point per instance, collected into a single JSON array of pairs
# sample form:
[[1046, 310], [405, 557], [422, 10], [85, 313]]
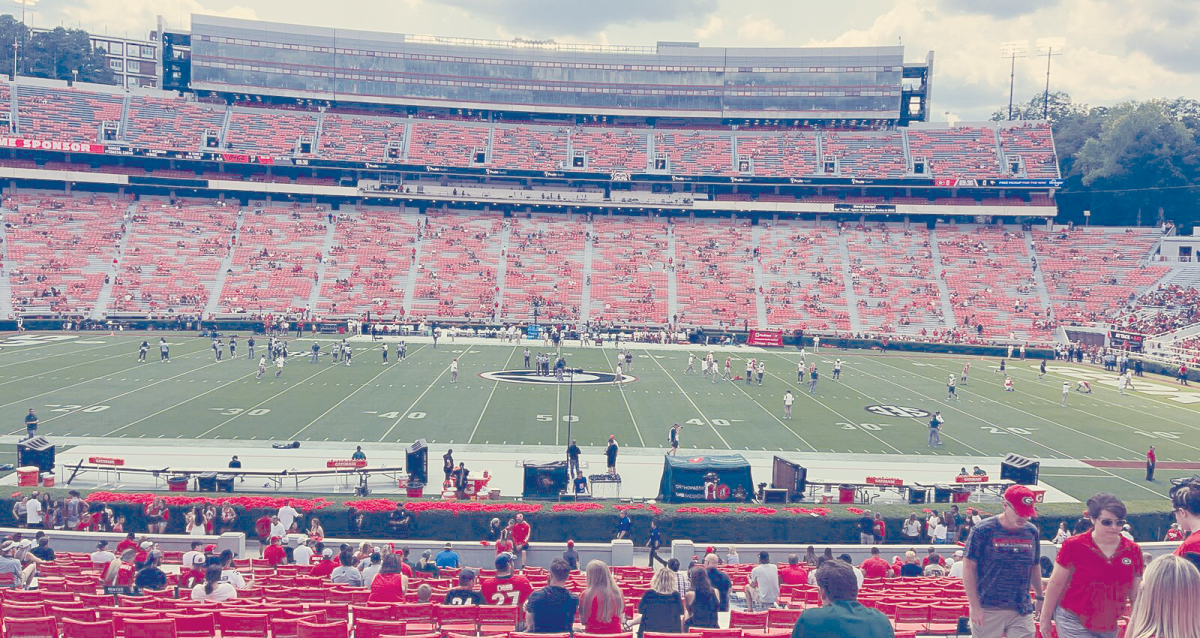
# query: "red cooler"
[[47, 479], [28, 476], [846, 493]]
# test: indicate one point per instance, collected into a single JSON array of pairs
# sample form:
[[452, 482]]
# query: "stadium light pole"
[[1012, 50], [1050, 47], [25, 4]]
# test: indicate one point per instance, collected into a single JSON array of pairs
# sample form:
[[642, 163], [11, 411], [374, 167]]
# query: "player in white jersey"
[[963, 379], [262, 366], [620, 374], [347, 353], [788, 400], [728, 369], [454, 371], [837, 370], [142, 350], [1066, 391], [749, 371], [762, 370], [800, 369], [950, 389], [691, 369], [1008, 384], [279, 366], [1084, 387]]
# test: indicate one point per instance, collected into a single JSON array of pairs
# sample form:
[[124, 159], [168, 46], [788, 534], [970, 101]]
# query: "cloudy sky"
[[1112, 50]]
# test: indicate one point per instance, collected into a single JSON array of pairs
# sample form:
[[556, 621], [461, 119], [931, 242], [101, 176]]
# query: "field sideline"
[[91, 385]]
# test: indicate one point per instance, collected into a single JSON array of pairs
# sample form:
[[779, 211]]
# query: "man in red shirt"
[[274, 554], [128, 543], [794, 573], [262, 527], [507, 588], [1151, 461], [520, 538], [1185, 498], [875, 566], [326, 565], [1094, 574]]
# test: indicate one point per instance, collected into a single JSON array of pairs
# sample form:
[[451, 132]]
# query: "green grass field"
[[92, 385]]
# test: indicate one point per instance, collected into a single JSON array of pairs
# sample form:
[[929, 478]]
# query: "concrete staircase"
[[6, 306], [502, 269], [672, 287], [1043, 292], [410, 286], [949, 319], [760, 301], [585, 293], [214, 295], [851, 296], [100, 310], [315, 295]]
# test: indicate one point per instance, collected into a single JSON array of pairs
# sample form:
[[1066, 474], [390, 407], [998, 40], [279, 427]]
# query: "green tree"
[[59, 53], [11, 30], [1060, 106]]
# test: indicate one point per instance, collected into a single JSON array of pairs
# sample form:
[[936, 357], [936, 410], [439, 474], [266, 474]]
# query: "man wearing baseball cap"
[[1001, 565]]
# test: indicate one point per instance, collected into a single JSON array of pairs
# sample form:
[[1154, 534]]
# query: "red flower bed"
[[462, 507], [653, 509], [372, 505], [854, 510], [709, 510], [766, 511], [248, 502], [575, 507], [814, 511]]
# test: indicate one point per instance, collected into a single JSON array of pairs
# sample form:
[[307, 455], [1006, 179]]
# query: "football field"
[[92, 385]]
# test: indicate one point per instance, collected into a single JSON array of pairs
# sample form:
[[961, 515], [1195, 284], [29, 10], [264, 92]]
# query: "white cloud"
[[137, 18], [710, 28], [756, 30]]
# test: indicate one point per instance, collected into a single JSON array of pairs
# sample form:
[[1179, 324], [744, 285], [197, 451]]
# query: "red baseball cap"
[[1022, 500]]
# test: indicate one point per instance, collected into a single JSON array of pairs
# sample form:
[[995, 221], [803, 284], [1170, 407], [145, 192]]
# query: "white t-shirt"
[[766, 579], [233, 577], [302, 555], [189, 559], [369, 573], [287, 516], [103, 557], [33, 512], [956, 569], [221, 592], [277, 529], [787, 399]]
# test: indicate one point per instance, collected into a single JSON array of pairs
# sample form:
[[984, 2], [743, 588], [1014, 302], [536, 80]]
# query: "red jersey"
[[793, 575], [274, 555], [406, 569], [126, 544], [323, 569], [507, 590], [1099, 585], [262, 527], [1192, 544], [125, 573], [387, 588], [520, 533], [1151, 457], [875, 567], [503, 545], [1174, 535], [593, 624]]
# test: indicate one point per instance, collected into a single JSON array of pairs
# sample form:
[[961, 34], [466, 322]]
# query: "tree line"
[[1134, 163], [57, 54]]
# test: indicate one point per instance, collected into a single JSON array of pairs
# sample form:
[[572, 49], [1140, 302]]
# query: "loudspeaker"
[[1019, 470], [942, 493], [774, 496], [545, 480], [917, 495], [206, 482], [36, 452], [416, 462], [786, 475]]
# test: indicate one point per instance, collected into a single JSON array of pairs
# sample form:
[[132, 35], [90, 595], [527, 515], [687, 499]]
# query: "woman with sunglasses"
[[1094, 573], [1185, 498]]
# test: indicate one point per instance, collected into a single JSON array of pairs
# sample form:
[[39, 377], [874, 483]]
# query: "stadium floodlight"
[[25, 4], [1012, 50], [1049, 47]]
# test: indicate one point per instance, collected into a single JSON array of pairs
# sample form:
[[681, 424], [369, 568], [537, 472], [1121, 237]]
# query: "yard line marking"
[[696, 407], [266, 400], [772, 415], [150, 416], [495, 385], [62, 354], [621, 389], [557, 403], [422, 395], [343, 400]]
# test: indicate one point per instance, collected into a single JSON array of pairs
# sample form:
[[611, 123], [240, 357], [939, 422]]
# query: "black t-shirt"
[[573, 452], [44, 553], [611, 453], [151, 578], [660, 612], [553, 610], [722, 584], [463, 597], [866, 525], [910, 570]]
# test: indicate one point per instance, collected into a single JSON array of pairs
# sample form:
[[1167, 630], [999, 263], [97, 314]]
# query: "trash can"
[[206, 482], [177, 484], [961, 495], [846, 493], [225, 482], [47, 479], [28, 476], [416, 490]]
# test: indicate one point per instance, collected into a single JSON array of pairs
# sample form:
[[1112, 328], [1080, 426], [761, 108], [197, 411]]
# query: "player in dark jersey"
[[316, 351], [142, 350], [250, 345], [232, 346], [164, 351]]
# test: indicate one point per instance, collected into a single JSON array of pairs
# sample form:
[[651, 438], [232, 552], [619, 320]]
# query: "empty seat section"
[[60, 248], [803, 286], [530, 148], [891, 270], [173, 256], [866, 153], [629, 277], [780, 154], [367, 267], [714, 278], [545, 264], [361, 139], [696, 152], [1092, 269], [611, 149], [65, 115], [268, 132], [275, 260], [961, 152], [990, 276], [172, 124], [440, 143], [1034, 143], [457, 276]]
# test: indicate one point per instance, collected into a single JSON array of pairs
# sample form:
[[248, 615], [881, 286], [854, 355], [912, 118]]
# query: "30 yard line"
[[495, 385], [323, 370], [171, 407], [694, 406]]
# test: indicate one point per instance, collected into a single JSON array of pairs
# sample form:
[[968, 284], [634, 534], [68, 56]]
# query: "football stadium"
[[644, 302]]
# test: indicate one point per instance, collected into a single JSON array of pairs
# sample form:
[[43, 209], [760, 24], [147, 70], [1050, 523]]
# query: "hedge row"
[[1149, 520]]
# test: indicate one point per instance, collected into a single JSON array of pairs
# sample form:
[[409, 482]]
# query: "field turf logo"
[[898, 411], [587, 377]]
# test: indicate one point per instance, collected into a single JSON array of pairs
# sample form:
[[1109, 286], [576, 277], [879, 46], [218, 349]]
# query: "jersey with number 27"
[[507, 590]]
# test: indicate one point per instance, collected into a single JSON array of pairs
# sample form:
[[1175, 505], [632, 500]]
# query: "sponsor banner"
[[706, 478], [51, 145], [765, 338], [105, 460], [885, 480], [345, 463], [1126, 340], [971, 479], [866, 208]]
